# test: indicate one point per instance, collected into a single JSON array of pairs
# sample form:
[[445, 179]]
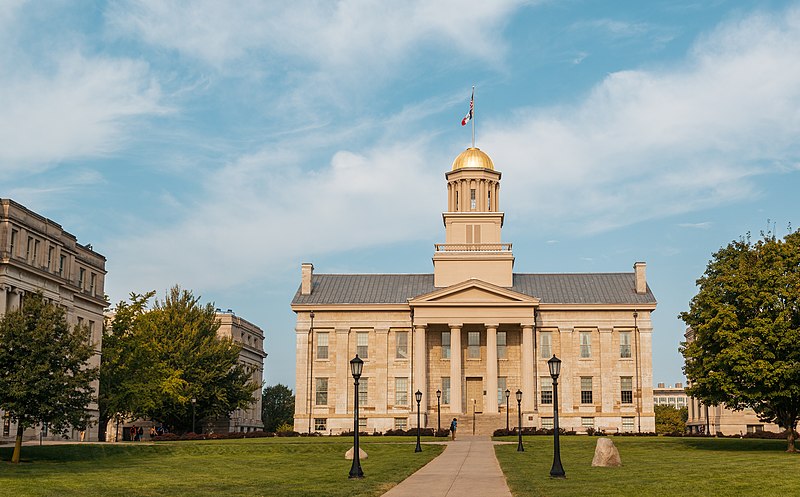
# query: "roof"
[[564, 288]]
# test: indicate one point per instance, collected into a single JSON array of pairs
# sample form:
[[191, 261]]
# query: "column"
[[16, 299], [420, 367], [491, 369], [380, 383], [344, 379], [3, 299], [609, 373], [456, 392], [568, 353], [528, 390]]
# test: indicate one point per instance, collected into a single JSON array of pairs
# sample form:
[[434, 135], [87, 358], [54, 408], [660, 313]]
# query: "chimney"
[[307, 270], [660, 385], [641, 280], [679, 385]]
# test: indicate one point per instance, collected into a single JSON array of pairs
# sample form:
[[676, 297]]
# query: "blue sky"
[[220, 144]]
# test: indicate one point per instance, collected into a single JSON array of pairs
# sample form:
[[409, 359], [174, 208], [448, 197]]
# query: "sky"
[[219, 144]]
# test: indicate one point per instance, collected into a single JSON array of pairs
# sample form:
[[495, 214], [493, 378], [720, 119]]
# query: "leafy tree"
[[44, 373], [742, 348], [671, 420], [277, 407]]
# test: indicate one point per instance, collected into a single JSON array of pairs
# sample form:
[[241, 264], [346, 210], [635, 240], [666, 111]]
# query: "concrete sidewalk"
[[467, 467]]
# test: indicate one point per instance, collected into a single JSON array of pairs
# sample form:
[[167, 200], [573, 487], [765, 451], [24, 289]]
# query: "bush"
[[258, 434], [443, 433], [394, 433], [771, 435], [636, 434], [290, 433]]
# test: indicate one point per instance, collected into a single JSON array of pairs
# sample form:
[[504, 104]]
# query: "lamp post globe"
[[520, 448], [418, 396], [557, 471], [356, 366], [438, 410]]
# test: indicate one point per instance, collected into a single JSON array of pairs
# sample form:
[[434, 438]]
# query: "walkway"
[[467, 467]]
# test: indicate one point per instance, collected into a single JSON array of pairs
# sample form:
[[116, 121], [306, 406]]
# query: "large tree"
[[170, 354], [44, 372], [277, 407], [670, 420], [742, 347]]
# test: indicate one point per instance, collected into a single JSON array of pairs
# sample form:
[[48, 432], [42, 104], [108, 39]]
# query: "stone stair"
[[485, 424]]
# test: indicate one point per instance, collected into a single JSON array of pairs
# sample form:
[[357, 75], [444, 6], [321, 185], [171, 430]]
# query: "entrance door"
[[474, 394]]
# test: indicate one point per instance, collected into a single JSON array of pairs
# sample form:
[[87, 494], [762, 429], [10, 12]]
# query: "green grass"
[[653, 467], [251, 467]]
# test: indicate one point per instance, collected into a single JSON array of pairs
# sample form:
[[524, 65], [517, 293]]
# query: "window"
[[546, 339], [474, 342], [320, 424], [547, 423], [472, 199], [626, 389], [546, 383], [401, 391], [586, 389], [401, 350], [489, 201], [29, 249], [456, 200], [14, 234], [625, 344], [501, 345], [446, 390], [587, 422], [586, 344], [62, 261], [92, 280], [322, 392], [35, 251], [400, 423], [363, 391], [50, 251], [445, 345], [81, 277], [671, 401], [7, 425], [362, 344], [501, 391], [627, 423], [750, 429], [322, 345], [90, 332], [362, 424]]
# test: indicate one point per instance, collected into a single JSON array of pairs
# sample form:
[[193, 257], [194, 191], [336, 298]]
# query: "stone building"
[[36, 254], [670, 396], [471, 330]]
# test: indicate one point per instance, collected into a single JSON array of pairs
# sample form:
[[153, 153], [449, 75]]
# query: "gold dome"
[[473, 158]]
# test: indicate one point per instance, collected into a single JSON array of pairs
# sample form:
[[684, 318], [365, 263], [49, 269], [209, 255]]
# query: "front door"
[[474, 395]]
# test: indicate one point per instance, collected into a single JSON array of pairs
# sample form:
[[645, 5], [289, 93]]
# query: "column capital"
[[456, 326], [527, 326], [491, 326]]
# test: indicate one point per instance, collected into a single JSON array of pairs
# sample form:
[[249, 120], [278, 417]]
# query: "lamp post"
[[194, 401], [356, 366], [474, 408], [557, 471], [508, 392], [438, 410], [418, 396], [520, 448]]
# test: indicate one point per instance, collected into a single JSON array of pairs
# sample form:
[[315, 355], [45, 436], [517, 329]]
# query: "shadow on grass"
[[75, 452], [736, 444]]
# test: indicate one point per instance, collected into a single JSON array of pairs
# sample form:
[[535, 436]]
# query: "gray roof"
[[565, 288]]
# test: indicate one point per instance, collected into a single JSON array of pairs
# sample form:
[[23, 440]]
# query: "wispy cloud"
[[699, 226]]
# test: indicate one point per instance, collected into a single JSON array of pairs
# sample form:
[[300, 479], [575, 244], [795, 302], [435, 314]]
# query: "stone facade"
[[36, 254], [720, 419], [472, 329], [670, 396]]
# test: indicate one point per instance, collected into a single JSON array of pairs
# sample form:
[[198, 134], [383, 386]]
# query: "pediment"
[[473, 292]]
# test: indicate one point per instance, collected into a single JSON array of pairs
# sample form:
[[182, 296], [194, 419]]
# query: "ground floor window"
[[6, 425], [362, 424], [627, 423], [501, 391], [320, 424], [546, 383], [755, 428], [400, 423], [547, 423], [587, 422]]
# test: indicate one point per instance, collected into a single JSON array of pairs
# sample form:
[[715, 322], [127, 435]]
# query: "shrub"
[[636, 434], [443, 433], [394, 433]]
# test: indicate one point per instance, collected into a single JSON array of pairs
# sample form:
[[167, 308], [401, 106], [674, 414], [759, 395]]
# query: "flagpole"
[[473, 116]]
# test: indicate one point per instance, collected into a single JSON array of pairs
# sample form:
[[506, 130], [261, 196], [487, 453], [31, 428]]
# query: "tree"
[[44, 372], [671, 420], [166, 356], [277, 407], [742, 346]]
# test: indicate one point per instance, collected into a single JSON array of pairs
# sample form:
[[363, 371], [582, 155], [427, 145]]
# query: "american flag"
[[468, 117]]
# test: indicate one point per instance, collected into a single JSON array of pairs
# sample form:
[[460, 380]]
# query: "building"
[[36, 254], [471, 330], [252, 355], [670, 396]]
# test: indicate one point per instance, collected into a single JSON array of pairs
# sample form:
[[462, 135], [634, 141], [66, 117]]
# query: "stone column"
[[420, 367], [16, 299], [568, 353], [3, 299], [456, 392], [491, 369], [526, 373], [609, 360], [344, 380]]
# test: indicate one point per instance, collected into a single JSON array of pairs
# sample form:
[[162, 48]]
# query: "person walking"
[[453, 426]]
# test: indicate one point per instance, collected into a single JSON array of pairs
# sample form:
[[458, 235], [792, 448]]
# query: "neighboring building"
[[670, 396], [36, 254], [251, 338], [472, 329]]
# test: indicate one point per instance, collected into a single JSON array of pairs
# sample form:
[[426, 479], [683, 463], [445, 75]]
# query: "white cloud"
[[651, 143], [700, 226]]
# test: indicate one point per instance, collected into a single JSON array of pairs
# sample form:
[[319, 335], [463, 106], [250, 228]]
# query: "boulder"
[[349, 454], [606, 454]]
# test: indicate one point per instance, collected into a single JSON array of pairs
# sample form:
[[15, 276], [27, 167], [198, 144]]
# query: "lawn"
[[653, 466], [249, 467]]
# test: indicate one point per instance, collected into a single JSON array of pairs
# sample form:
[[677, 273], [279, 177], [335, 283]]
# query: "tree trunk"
[[790, 438], [18, 443]]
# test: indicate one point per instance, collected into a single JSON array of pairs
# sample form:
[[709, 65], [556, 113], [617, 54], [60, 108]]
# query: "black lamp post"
[[418, 396], [356, 365], [520, 448], [438, 410], [194, 401], [557, 471], [508, 393]]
